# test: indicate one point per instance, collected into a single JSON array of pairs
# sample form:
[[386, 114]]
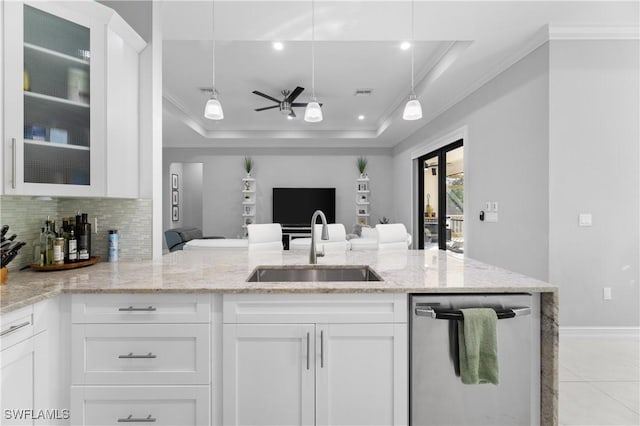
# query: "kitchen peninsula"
[[219, 278]]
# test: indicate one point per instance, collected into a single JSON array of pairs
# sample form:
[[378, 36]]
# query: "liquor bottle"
[[50, 236], [72, 245], [84, 238]]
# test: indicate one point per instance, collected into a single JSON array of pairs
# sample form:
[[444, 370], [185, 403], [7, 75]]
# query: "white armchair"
[[265, 236], [392, 236], [337, 241]]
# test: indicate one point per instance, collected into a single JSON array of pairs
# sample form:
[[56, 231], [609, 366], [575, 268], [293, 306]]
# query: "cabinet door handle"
[[130, 355], [132, 309], [307, 350], [321, 349], [13, 163], [14, 328], [132, 419]]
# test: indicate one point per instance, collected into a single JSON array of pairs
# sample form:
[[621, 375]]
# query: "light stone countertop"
[[226, 271]]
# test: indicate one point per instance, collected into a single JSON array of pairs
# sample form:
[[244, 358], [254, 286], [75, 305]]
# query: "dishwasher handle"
[[454, 314]]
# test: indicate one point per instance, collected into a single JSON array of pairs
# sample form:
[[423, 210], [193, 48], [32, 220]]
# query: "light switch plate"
[[585, 219], [487, 206], [494, 206]]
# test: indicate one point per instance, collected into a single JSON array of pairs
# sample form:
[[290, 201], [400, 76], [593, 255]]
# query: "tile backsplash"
[[132, 218]]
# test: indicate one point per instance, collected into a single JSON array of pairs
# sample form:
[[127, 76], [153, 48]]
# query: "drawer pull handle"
[[14, 328], [13, 163], [130, 355], [132, 309], [132, 419]]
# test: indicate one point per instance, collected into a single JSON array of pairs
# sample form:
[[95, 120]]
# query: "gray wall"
[[223, 173], [594, 168], [189, 196], [505, 160]]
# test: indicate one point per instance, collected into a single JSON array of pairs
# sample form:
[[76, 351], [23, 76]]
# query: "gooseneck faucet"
[[313, 254]]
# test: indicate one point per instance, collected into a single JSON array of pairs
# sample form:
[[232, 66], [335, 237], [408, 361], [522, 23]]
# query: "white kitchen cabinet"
[[341, 367], [159, 405], [56, 60], [268, 374], [359, 367], [25, 369], [141, 358], [18, 382]]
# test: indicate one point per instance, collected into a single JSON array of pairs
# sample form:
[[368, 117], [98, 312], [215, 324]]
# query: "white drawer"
[[308, 308], [16, 326], [140, 308], [158, 405], [105, 354]]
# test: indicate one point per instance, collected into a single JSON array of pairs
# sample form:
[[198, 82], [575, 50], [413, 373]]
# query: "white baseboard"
[[606, 332]]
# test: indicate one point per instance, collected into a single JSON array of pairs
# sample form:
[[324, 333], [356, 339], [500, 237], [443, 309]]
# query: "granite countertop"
[[226, 271]]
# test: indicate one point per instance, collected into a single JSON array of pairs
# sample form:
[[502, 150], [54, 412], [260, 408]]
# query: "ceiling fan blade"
[[266, 96], [296, 92], [271, 107], [299, 104], [292, 114]]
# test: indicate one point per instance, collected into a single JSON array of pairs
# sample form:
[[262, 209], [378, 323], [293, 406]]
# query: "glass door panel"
[[56, 100], [431, 228], [454, 184]]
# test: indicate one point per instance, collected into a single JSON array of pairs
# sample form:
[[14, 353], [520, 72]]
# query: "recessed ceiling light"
[[361, 117], [277, 45], [405, 45]]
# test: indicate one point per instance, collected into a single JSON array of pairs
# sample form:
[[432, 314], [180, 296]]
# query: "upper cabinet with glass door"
[[53, 134], [56, 57]]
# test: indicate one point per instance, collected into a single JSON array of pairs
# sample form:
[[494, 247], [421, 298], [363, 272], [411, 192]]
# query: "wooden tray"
[[91, 261]]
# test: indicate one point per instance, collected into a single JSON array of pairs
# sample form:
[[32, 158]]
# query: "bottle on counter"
[[113, 245], [38, 258], [72, 247], [58, 251], [84, 238], [50, 235]]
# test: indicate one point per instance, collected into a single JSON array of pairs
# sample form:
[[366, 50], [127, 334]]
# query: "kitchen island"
[[225, 272]]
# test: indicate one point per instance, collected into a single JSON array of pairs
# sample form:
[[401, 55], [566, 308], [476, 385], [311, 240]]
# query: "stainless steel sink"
[[313, 273]]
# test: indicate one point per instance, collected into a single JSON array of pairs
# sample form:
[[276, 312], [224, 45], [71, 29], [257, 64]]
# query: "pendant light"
[[313, 113], [413, 109], [213, 108]]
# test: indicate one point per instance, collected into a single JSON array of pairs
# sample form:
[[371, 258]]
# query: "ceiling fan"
[[285, 105]]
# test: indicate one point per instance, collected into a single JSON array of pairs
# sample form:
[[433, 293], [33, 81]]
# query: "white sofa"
[[223, 243], [393, 236]]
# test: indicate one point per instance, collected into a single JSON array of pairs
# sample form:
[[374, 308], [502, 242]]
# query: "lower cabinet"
[[141, 358], [320, 373], [160, 405], [27, 396]]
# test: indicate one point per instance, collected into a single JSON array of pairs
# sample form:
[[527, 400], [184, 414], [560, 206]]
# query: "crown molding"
[[593, 32]]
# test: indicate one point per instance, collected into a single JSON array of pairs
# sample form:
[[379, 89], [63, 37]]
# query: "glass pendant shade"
[[413, 109], [213, 109], [313, 113]]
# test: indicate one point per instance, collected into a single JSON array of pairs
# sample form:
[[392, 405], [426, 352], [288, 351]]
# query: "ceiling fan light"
[[313, 113], [213, 109], [412, 110]]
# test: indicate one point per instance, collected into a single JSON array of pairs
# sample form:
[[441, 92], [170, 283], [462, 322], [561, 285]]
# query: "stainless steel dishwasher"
[[438, 396]]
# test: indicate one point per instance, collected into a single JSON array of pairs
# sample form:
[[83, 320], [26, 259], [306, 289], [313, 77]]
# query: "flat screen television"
[[295, 206]]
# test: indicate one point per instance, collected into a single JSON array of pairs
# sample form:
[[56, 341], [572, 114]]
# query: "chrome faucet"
[[313, 254]]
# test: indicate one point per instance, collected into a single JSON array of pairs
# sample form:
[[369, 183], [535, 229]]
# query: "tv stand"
[[292, 232]]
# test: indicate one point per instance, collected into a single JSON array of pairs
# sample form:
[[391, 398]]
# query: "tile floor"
[[599, 381]]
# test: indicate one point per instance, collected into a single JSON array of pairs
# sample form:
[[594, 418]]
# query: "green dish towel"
[[478, 346]]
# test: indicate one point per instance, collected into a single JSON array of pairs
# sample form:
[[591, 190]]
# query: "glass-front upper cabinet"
[[53, 80]]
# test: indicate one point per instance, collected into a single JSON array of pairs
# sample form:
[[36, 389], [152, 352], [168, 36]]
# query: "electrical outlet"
[[491, 217], [606, 293]]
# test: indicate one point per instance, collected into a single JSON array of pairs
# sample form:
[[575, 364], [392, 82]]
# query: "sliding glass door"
[[441, 198]]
